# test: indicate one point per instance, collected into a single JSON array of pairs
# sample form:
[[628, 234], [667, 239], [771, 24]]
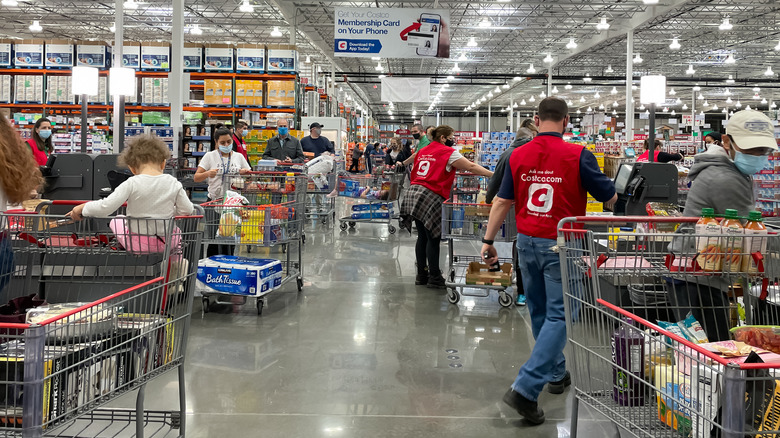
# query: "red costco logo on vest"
[[540, 198]]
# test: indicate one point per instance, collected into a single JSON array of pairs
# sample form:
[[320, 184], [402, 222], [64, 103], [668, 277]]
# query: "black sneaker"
[[527, 408], [559, 386], [437, 282], [421, 278]]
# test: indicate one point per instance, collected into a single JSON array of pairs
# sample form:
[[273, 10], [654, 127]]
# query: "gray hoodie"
[[717, 183]]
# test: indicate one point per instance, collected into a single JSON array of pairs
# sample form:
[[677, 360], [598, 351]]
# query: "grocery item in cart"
[[732, 241], [93, 323], [238, 275], [761, 336], [689, 329], [628, 353], [755, 241], [672, 397], [708, 250], [663, 209], [481, 274]]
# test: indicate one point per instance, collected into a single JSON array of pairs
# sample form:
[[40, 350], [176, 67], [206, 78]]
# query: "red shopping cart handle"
[[32, 239]]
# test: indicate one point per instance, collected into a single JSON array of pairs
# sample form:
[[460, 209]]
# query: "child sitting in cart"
[[149, 194], [374, 193]]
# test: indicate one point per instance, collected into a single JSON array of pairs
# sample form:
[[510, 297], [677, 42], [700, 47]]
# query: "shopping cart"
[[261, 209], [632, 286], [380, 192], [74, 336], [318, 205]]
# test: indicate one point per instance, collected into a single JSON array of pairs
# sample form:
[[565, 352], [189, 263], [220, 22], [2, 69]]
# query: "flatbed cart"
[[631, 287], [382, 211], [263, 209], [79, 351], [467, 222]]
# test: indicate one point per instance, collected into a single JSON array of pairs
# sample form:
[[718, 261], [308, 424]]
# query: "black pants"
[[427, 250], [355, 165]]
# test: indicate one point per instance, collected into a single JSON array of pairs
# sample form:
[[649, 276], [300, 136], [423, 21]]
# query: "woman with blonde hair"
[[19, 173]]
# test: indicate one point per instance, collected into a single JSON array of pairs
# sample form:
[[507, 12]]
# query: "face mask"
[[416, 136], [226, 149], [45, 133], [283, 130], [449, 143], [750, 164], [244, 133]]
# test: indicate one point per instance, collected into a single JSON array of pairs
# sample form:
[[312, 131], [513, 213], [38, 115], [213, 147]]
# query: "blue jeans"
[[540, 268]]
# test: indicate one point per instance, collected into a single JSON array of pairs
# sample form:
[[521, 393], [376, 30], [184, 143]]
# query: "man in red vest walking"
[[548, 180]]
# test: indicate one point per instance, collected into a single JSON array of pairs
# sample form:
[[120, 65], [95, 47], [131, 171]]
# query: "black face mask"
[[449, 143], [416, 136]]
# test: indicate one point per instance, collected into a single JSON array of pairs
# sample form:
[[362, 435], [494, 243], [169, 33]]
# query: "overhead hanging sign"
[[406, 89], [392, 33]]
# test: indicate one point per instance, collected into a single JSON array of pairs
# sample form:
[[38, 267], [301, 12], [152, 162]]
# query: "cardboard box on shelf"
[[241, 92], [282, 58], [155, 56], [259, 93], [209, 90], [131, 54], [250, 57], [92, 54], [59, 54], [5, 53], [227, 92], [193, 57], [29, 53], [219, 57]]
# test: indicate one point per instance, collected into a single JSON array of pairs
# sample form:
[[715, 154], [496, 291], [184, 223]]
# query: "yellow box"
[[252, 227], [240, 92], [594, 207], [259, 94], [209, 90]]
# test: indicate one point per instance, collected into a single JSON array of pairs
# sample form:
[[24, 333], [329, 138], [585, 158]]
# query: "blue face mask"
[[226, 149], [45, 133], [750, 164], [283, 130]]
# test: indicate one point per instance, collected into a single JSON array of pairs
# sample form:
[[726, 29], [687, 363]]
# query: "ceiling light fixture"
[[490, 95], [672, 92], [715, 107], [590, 109], [276, 33], [246, 7], [637, 59], [675, 44], [701, 96], [609, 69], [542, 95], [379, 66], [773, 106], [522, 102], [726, 25], [587, 78], [756, 96], [738, 104], [729, 101], [582, 99], [308, 59], [615, 104], [567, 86], [498, 90], [450, 77], [112, 28], [614, 112], [777, 47], [485, 22], [769, 71], [571, 44], [650, 2], [130, 4], [516, 78], [685, 107], [641, 107], [727, 92], [696, 87], [602, 25], [730, 80], [578, 111], [196, 30], [555, 90], [514, 105], [764, 101], [597, 95], [505, 86], [690, 70], [548, 59], [456, 69], [472, 42], [35, 26], [532, 99], [730, 59], [666, 110], [614, 90], [531, 69], [10, 3], [601, 107], [748, 108]]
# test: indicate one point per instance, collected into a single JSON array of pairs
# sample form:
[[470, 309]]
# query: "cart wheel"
[[352, 224], [205, 304], [391, 229], [175, 420], [455, 259], [259, 306], [453, 296], [300, 284], [504, 299], [343, 226]]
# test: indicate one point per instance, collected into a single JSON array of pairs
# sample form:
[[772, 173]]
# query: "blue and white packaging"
[[219, 57], [28, 55], [234, 275], [193, 57], [5, 54], [59, 54], [282, 59], [250, 58], [131, 56], [155, 56], [92, 55]]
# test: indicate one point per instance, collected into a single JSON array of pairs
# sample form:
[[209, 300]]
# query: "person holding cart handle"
[[547, 180]]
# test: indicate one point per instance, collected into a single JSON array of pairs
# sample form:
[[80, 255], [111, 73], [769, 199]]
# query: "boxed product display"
[[193, 57], [5, 89], [218, 92], [238, 275], [280, 94], [673, 398], [5, 53], [250, 58], [219, 57], [29, 88], [59, 54], [131, 55], [29, 54], [58, 89], [282, 59], [92, 54], [155, 56]]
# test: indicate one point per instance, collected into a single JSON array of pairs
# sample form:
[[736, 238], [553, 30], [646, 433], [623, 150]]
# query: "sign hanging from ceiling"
[[392, 33], [406, 89]]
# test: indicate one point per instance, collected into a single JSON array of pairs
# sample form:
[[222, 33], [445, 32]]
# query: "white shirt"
[[453, 158], [147, 196], [225, 166]]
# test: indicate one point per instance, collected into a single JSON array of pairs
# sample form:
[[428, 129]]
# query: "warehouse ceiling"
[[522, 33]]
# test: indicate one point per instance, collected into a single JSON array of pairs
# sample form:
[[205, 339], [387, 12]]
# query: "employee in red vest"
[[547, 180], [40, 143], [239, 133], [433, 175], [658, 156]]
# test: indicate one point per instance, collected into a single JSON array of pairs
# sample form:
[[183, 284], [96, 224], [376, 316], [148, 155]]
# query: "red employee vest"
[[645, 157], [430, 169], [548, 188], [40, 156]]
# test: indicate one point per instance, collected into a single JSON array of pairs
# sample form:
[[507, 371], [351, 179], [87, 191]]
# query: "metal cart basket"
[[632, 288], [373, 210]]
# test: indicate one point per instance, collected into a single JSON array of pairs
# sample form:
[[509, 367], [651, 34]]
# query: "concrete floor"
[[360, 352]]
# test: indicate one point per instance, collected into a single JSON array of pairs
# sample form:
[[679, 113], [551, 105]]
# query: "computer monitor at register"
[[623, 177]]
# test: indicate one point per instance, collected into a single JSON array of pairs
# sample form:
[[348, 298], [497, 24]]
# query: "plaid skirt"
[[422, 204]]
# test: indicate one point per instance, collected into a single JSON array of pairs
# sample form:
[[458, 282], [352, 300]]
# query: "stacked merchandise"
[[249, 93], [281, 94], [493, 145], [59, 89], [595, 206], [154, 91], [5, 89], [218, 92], [164, 134], [29, 89], [102, 96], [238, 275], [766, 184]]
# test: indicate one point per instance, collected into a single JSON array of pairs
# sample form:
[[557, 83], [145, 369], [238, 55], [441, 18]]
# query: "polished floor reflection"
[[360, 352]]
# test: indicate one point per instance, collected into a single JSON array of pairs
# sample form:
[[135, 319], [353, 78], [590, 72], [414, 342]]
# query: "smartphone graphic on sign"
[[427, 38]]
